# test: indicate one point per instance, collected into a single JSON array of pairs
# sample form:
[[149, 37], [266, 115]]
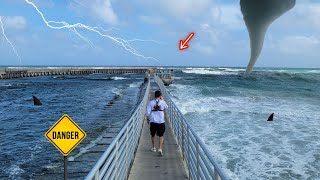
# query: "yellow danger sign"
[[65, 135]]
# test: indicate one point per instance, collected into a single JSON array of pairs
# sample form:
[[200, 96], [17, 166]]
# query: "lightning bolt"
[[8, 41], [74, 27], [131, 40], [148, 40], [106, 30], [2, 33]]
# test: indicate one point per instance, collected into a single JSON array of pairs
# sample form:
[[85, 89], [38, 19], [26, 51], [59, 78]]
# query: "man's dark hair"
[[157, 94]]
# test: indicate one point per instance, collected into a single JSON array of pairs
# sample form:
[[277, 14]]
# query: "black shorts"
[[157, 128]]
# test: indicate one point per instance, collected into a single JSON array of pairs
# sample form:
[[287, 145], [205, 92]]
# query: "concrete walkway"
[[149, 165]]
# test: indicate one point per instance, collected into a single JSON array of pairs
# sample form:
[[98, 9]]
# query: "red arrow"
[[183, 45]]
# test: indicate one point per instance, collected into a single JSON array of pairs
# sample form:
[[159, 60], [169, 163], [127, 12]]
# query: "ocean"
[[229, 111], [24, 151]]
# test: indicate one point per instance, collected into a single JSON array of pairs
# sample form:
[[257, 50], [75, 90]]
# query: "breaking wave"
[[136, 84], [215, 71]]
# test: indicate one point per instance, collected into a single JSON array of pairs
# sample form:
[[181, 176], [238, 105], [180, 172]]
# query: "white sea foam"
[[116, 91], [71, 158], [135, 84], [188, 99], [244, 143], [210, 71], [118, 78], [52, 67], [6, 85], [232, 69], [52, 166], [314, 71], [14, 171]]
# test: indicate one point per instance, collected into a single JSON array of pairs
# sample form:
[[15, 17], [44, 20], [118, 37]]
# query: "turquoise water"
[[229, 110]]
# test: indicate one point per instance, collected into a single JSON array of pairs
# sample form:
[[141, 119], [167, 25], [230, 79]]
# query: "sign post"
[[65, 167], [65, 135]]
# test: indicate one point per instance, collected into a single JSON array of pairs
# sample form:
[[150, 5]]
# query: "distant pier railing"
[[25, 72], [116, 161], [199, 161]]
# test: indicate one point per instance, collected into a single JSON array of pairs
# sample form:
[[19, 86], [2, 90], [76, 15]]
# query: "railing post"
[[126, 165], [170, 110], [182, 138], [216, 175], [189, 153], [198, 160], [116, 160], [96, 176]]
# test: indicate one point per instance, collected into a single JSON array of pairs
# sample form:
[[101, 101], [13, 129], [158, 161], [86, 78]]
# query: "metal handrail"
[[116, 161], [199, 161]]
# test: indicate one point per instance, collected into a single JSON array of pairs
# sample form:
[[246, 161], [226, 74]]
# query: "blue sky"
[[221, 38]]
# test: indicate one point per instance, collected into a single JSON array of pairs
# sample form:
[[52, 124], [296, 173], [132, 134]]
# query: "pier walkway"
[[129, 155], [149, 165]]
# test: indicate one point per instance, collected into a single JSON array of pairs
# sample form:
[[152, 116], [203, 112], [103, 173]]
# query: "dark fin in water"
[[36, 101], [270, 117]]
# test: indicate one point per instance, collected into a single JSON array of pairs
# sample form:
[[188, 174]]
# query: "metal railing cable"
[[116, 161], [200, 162]]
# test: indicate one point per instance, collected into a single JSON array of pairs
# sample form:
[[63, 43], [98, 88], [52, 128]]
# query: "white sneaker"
[[153, 149], [160, 152]]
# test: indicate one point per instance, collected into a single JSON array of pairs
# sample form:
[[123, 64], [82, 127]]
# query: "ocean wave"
[[135, 84], [102, 79], [14, 171], [232, 69], [210, 71], [52, 166], [52, 67], [116, 91], [288, 71], [191, 99], [62, 77], [5, 85], [287, 75], [313, 71], [118, 78], [233, 106], [260, 71]]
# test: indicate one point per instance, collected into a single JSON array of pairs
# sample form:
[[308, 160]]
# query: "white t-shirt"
[[156, 116]]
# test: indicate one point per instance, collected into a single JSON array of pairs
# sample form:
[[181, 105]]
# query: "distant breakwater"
[[32, 72]]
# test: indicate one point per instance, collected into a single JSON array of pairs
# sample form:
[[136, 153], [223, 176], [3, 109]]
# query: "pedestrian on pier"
[[155, 117]]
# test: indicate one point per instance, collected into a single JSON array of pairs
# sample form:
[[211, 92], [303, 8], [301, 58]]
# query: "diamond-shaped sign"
[[65, 135]]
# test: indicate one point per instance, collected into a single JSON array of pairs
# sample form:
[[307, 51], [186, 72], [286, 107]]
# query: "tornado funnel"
[[258, 15]]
